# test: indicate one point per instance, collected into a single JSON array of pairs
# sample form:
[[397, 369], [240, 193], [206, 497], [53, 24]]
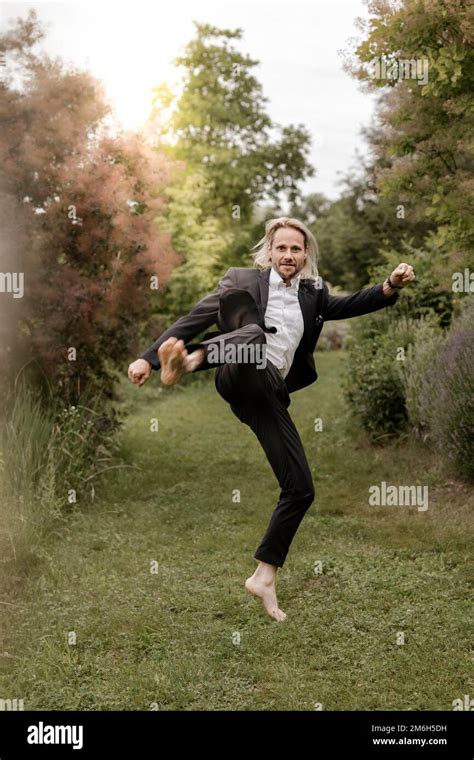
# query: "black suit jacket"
[[317, 307]]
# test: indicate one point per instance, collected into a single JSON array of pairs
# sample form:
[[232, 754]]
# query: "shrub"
[[431, 292], [373, 384], [417, 371], [449, 396]]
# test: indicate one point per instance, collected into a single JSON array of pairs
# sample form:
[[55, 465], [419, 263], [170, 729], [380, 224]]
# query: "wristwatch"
[[391, 285]]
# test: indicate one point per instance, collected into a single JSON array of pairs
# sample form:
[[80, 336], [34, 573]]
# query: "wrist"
[[392, 285], [388, 290]]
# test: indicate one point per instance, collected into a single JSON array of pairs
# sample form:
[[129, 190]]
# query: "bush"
[[449, 397], [417, 373], [431, 292], [438, 383], [373, 385]]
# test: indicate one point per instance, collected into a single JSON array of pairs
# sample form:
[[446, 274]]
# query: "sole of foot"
[[267, 595], [172, 356]]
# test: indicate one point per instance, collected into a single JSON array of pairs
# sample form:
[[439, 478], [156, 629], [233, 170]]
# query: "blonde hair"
[[261, 257]]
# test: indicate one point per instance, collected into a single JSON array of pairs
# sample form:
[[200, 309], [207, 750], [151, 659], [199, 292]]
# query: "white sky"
[[130, 48]]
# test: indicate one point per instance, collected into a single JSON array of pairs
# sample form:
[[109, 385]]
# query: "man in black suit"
[[275, 312]]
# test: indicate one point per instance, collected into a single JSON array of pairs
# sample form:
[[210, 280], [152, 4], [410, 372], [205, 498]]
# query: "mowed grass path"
[[189, 637]]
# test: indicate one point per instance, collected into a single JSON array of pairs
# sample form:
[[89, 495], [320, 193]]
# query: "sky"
[[130, 47]]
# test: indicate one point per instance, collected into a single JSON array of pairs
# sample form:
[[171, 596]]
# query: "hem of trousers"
[[264, 557]]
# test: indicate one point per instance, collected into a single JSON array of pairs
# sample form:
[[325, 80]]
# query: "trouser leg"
[[260, 400], [242, 333], [245, 345]]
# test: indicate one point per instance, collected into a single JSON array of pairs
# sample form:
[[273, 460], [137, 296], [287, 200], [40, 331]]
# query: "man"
[[280, 305]]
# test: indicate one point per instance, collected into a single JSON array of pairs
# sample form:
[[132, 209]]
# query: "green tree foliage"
[[352, 230], [426, 124], [220, 125], [204, 238], [419, 55], [234, 157]]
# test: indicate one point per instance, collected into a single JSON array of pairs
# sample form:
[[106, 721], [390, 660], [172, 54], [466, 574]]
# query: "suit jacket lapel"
[[263, 284], [307, 304]]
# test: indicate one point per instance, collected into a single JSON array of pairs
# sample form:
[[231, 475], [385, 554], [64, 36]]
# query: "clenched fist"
[[139, 371], [402, 275]]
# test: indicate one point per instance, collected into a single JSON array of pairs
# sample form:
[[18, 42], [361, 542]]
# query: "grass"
[[188, 636]]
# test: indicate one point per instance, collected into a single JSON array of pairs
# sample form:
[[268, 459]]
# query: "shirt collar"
[[275, 280]]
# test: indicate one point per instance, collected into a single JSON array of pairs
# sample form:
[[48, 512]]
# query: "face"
[[287, 252]]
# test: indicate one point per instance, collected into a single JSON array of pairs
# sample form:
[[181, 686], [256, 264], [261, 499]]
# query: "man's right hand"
[[139, 371]]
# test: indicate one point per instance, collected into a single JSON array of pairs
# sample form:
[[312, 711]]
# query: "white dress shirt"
[[283, 312]]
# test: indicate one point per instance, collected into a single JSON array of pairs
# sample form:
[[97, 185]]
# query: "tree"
[[426, 114], [352, 230], [86, 201], [233, 154]]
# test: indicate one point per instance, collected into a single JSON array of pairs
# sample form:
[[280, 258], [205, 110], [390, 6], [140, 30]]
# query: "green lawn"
[[189, 637]]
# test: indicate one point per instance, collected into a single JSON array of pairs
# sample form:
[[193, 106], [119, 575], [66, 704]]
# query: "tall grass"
[[50, 456]]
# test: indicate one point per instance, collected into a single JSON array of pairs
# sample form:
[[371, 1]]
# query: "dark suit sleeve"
[[202, 315], [361, 302]]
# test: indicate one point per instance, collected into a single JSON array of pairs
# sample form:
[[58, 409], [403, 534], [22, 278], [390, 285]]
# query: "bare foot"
[[265, 590], [194, 359], [175, 360], [171, 360]]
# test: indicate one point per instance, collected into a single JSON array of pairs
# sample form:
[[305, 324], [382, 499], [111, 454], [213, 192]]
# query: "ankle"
[[265, 574], [194, 360]]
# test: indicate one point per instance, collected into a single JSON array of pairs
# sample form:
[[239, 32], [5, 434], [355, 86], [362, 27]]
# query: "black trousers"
[[260, 399]]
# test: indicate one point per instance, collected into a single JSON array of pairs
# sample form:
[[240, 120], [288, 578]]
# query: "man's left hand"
[[402, 275]]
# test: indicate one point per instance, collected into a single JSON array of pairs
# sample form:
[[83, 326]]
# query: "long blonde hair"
[[261, 256]]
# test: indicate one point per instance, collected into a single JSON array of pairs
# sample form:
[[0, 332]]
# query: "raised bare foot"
[[175, 361], [265, 590], [171, 354]]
